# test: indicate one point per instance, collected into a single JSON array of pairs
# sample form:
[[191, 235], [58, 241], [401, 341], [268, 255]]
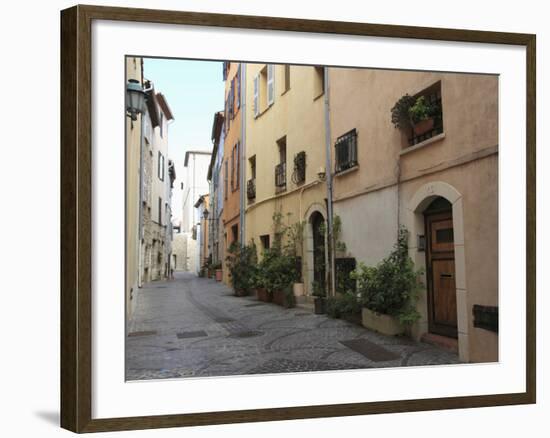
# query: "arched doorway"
[[319, 268], [440, 268]]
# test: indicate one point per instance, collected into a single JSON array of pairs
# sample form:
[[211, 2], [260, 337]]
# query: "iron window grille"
[[280, 175], [251, 188], [299, 174], [346, 151]]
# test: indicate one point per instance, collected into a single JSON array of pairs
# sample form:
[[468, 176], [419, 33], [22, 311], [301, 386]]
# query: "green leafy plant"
[[400, 116], [318, 289], [393, 286], [421, 110], [243, 265]]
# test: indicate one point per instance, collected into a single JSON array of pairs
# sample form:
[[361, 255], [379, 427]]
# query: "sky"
[[194, 91]]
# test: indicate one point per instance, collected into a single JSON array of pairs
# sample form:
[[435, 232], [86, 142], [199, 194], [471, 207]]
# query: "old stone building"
[[157, 181]]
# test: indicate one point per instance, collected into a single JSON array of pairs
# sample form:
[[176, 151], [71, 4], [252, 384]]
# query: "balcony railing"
[[346, 151], [251, 188], [280, 176]]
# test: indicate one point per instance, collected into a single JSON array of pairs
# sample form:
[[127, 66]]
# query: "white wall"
[[30, 32]]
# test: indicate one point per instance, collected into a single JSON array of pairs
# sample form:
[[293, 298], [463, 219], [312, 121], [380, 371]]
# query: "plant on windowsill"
[[390, 290], [416, 113]]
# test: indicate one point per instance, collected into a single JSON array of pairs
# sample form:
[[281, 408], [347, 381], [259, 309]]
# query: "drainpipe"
[[328, 170], [242, 151]]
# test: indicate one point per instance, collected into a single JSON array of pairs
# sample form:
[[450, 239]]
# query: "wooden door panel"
[[442, 236], [444, 296]]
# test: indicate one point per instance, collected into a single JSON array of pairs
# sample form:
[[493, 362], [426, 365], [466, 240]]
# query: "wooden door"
[[440, 262]]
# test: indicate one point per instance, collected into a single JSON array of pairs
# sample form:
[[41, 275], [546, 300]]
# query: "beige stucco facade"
[[277, 129], [394, 182]]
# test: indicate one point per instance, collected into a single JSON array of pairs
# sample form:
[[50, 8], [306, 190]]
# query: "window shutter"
[[256, 96], [239, 87], [270, 84]]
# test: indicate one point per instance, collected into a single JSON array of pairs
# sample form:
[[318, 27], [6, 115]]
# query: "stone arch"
[[416, 206]]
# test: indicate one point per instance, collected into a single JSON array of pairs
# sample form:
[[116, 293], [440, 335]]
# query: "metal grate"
[[142, 333], [299, 174], [251, 188], [246, 334], [346, 151], [370, 350], [280, 175], [188, 335]]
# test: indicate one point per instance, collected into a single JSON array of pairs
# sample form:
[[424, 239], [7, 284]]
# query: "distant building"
[[216, 229], [195, 184]]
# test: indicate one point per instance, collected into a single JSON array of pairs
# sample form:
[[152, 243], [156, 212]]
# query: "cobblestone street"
[[194, 326]]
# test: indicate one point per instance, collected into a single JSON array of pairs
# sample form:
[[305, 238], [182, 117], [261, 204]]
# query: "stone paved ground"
[[194, 326]]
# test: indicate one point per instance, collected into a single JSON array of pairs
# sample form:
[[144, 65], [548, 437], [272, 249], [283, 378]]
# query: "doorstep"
[[449, 344]]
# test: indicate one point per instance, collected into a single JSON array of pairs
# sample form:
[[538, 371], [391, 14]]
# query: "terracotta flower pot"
[[423, 126], [219, 275], [263, 295]]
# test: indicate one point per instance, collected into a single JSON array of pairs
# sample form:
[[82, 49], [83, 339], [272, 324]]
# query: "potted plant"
[[219, 271], [416, 113], [319, 293], [389, 291], [242, 265]]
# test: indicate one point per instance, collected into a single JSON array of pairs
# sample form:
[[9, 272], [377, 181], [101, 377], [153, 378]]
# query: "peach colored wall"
[[390, 173]]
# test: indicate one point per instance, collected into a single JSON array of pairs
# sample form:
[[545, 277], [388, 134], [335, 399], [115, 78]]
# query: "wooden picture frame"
[[76, 217]]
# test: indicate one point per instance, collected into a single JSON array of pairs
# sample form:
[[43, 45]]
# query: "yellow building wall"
[[134, 70], [298, 114]]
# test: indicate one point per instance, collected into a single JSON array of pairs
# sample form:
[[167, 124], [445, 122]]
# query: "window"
[[286, 78], [225, 177], [280, 169], [434, 125], [233, 169], [237, 166], [270, 84], [238, 92], [299, 173], [160, 211], [318, 82], [264, 89], [264, 239], [160, 166], [346, 151], [251, 183], [256, 96], [161, 124], [234, 233]]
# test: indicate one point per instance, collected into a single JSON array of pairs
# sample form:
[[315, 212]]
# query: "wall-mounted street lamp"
[[205, 214], [135, 99]]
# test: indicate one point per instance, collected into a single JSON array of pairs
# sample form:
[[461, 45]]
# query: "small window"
[[238, 87], [280, 169], [433, 125], [161, 124], [251, 183], [160, 211], [234, 233], [346, 151], [160, 168], [264, 239], [318, 82], [225, 179], [286, 78]]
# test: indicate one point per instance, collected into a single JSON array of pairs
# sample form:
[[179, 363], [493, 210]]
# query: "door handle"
[[446, 275]]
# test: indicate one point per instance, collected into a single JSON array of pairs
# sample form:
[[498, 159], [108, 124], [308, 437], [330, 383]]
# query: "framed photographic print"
[[259, 214]]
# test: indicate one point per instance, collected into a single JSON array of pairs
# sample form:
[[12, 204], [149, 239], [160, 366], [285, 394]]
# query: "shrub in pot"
[[392, 287], [242, 265]]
